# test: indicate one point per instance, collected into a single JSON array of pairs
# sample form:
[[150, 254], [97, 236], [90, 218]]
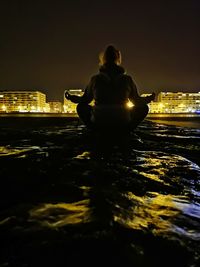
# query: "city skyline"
[[62, 99], [35, 101], [51, 47]]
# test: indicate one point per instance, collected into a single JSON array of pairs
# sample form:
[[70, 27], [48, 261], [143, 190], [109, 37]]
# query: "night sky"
[[54, 45]]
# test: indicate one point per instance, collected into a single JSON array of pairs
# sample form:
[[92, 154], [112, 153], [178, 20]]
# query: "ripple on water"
[[150, 193], [60, 214], [8, 151]]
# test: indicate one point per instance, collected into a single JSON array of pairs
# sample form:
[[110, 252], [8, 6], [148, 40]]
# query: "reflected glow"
[[84, 155], [61, 214], [155, 212], [17, 151], [153, 176]]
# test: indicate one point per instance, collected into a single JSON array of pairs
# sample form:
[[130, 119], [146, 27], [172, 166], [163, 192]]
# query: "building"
[[55, 107], [70, 107], [22, 101], [169, 102], [166, 102]]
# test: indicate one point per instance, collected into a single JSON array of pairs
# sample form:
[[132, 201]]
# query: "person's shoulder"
[[126, 77], [94, 77], [98, 78]]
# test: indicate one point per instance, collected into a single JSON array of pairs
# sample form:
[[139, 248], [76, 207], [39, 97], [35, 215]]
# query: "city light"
[[22, 101], [171, 102], [4, 108], [35, 101]]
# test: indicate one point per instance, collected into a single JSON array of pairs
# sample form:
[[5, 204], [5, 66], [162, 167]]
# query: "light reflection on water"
[[188, 124], [60, 214], [160, 212], [154, 212], [156, 190]]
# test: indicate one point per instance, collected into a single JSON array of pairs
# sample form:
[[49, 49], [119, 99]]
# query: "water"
[[181, 120], [66, 201]]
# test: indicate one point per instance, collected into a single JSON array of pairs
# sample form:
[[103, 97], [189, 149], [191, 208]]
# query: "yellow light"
[[4, 108], [182, 105], [129, 104]]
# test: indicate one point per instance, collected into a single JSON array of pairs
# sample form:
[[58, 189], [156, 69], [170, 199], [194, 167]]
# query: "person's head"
[[110, 55]]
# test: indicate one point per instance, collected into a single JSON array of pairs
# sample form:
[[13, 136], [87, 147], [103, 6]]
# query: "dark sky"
[[54, 45]]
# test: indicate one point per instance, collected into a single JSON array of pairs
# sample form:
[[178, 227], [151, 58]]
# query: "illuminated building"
[[22, 101], [169, 102], [55, 106], [47, 108], [70, 107]]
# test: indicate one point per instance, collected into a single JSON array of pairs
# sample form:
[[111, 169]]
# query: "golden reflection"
[[17, 151], [6, 151], [155, 159], [156, 166], [155, 212], [84, 155], [61, 214], [155, 177]]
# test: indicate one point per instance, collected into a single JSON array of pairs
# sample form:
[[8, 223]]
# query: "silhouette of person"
[[111, 89]]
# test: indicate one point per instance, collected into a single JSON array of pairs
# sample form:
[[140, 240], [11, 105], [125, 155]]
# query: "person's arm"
[[135, 97], [87, 97], [73, 98]]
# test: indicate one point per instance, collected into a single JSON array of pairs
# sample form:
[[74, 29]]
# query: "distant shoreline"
[[174, 117], [27, 120], [189, 120], [19, 117], [38, 114], [74, 115]]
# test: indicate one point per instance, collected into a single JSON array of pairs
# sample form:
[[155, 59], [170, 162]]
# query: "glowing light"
[[4, 108], [182, 105], [129, 104]]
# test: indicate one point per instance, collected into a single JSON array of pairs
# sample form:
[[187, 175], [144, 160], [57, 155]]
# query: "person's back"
[[110, 86], [111, 89], [110, 93]]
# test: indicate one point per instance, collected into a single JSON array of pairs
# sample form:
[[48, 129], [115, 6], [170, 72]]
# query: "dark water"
[[68, 201], [180, 120]]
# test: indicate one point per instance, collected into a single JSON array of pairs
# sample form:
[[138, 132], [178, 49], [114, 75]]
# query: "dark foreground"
[[67, 201]]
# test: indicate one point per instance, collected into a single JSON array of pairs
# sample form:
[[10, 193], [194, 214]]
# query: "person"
[[111, 89]]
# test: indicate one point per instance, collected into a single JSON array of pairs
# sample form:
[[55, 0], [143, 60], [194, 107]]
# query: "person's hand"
[[67, 95], [152, 96]]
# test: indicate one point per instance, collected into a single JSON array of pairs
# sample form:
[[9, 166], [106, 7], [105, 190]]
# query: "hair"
[[110, 55]]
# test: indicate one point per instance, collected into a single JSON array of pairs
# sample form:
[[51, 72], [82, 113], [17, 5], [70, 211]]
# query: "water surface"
[[68, 200]]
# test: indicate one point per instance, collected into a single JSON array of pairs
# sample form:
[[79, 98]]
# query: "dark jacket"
[[111, 86]]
